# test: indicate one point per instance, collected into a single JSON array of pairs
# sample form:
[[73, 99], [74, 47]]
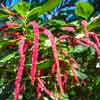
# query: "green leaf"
[[8, 57], [3, 14], [65, 97], [43, 64], [6, 42], [79, 49], [94, 24], [57, 22], [48, 6], [81, 75], [22, 8], [84, 10]]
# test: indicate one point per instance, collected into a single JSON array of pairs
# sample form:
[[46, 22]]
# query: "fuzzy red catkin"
[[35, 50], [65, 74], [53, 45], [53, 70], [73, 70], [39, 86], [76, 41], [68, 29], [65, 37], [20, 69], [39, 89]]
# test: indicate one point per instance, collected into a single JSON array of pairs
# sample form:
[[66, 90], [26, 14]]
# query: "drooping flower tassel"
[[73, 40], [53, 45], [65, 74], [71, 63], [39, 87], [35, 50], [68, 29], [95, 37], [90, 43], [20, 68], [45, 89]]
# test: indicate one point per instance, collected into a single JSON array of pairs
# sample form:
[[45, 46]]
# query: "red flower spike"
[[39, 89], [78, 41], [68, 29], [65, 37], [93, 44], [97, 40], [8, 26], [95, 37], [65, 74], [53, 70], [20, 69], [51, 38], [23, 88], [47, 91], [73, 70], [39, 86], [35, 50]]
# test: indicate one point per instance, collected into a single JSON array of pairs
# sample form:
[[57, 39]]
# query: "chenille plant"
[[56, 60]]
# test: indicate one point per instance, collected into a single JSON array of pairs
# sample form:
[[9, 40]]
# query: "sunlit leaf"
[[84, 10]]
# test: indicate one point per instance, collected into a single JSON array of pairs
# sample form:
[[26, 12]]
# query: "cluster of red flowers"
[[23, 45]]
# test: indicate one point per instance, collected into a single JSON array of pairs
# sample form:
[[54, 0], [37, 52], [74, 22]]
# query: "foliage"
[[54, 60]]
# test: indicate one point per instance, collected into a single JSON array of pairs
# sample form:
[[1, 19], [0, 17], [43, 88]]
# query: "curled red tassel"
[[95, 37], [35, 50], [85, 40], [51, 38], [73, 40], [78, 41], [20, 68]]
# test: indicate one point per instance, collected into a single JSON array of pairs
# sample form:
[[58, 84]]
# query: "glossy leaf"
[[84, 10], [22, 8]]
